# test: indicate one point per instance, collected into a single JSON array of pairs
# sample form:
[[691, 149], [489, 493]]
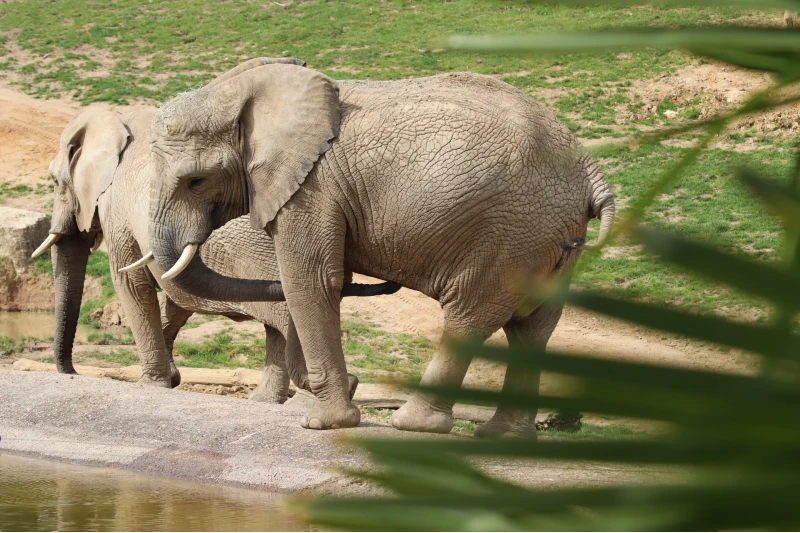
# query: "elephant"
[[457, 185], [102, 191], [791, 18]]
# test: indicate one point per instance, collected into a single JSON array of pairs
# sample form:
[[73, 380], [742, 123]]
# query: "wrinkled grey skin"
[[458, 186], [102, 177]]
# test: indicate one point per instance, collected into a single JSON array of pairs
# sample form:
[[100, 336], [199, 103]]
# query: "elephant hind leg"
[[534, 329], [274, 386], [173, 318], [426, 412]]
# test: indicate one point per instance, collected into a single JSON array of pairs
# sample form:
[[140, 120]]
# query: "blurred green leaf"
[[783, 201], [769, 282]]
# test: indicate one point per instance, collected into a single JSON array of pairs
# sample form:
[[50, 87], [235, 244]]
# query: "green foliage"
[[106, 338], [733, 435], [120, 356], [7, 190], [223, 350], [372, 353], [97, 266], [42, 265]]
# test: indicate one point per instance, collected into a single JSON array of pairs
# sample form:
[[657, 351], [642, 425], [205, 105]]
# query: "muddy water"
[[39, 325], [38, 495]]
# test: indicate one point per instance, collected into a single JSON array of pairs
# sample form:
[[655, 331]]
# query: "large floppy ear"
[[253, 63], [91, 146], [285, 117]]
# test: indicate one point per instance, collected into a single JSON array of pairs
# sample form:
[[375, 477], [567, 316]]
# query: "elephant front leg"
[[319, 329], [138, 296], [274, 386]]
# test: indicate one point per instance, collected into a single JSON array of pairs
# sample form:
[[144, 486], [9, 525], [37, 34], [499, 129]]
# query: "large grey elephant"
[[102, 191], [457, 185]]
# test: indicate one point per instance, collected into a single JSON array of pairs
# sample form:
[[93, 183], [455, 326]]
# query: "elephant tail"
[[601, 202]]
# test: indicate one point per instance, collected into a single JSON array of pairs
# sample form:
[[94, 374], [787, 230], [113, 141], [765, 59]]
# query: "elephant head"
[[245, 144], [89, 152]]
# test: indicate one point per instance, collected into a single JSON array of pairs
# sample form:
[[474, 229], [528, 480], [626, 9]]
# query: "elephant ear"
[[286, 117], [91, 146]]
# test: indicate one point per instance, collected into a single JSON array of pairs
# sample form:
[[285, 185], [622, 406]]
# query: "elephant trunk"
[[70, 256], [198, 279]]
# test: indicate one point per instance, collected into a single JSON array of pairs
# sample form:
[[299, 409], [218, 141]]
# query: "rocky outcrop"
[[21, 232], [112, 314]]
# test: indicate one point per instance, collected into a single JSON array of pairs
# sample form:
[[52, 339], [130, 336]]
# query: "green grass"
[[10, 346], [708, 204], [7, 190], [120, 356], [120, 51], [594, 432], [98, 266], [223, 350], [42, 265], [372, 353], [105, 338]]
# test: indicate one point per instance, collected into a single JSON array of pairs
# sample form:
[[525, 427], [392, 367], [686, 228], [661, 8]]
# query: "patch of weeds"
[[10, 346], [464, 427], [594, 432], [104, 338], [120, 356], [7, 190], [42, 265], [98, 266], [371, 352], [222, 351], [381, 414], [666, 105]]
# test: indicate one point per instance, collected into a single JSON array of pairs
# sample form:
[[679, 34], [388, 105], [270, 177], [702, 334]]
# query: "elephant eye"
[[196, 182]]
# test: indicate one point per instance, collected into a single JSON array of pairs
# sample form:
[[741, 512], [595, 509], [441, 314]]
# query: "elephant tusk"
[[48, 242], [144, 261], [98, 240], [183, 262]]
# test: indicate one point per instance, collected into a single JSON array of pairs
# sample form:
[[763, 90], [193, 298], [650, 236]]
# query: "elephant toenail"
[[304, 422], [335, 426], [315, 424]]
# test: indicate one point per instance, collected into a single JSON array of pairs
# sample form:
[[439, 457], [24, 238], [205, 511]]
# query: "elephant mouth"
[[183, 261]]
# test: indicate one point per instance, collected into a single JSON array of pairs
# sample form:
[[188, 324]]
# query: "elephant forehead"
[[188, 161]]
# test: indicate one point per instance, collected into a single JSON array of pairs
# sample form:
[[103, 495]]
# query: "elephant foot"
[[419, 415], [500, 427], [302, 399], [330, 415], [156, 381], [266, 394], [353, 382], [174, 375]]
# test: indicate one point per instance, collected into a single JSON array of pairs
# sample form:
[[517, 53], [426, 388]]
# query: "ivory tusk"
[[144, 261], [48, 242], [98, 240], [183, 262]]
